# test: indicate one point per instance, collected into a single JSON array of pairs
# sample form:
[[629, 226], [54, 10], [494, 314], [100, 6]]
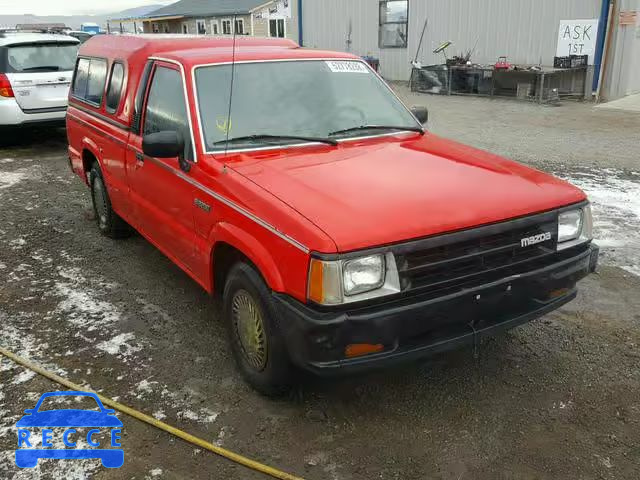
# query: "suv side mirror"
[[421, 113], [167, 144]]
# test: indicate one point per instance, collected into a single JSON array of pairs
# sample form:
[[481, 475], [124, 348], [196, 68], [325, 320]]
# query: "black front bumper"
[[419, 326]]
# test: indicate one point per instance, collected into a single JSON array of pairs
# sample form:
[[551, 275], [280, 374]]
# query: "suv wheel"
[[109, 223], [257, 345]]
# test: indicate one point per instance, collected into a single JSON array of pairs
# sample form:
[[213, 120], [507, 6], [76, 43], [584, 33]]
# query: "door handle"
[[139, 157]]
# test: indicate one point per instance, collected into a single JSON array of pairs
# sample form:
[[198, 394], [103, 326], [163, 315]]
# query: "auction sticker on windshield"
[[347, 67]]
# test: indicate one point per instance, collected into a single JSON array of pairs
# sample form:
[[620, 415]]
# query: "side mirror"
[[421, 113], [168, 144]]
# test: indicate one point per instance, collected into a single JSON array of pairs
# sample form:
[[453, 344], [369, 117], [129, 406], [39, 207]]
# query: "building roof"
[[203, 8]]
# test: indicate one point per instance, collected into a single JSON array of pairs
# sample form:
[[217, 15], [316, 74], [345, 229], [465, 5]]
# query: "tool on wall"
[[424, 29], [502, 64], [349, 33], [443, 49]]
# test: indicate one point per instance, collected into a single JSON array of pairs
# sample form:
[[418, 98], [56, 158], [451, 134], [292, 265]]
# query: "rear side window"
[[41, 57], [166, 108], [81, 78], [90, 79], [115, 87]]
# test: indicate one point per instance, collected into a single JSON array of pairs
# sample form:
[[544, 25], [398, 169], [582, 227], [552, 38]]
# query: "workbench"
[[537, 84]]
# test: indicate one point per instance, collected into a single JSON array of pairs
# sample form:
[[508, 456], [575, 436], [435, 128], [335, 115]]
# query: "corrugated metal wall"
[[623, 69], [524, 30]]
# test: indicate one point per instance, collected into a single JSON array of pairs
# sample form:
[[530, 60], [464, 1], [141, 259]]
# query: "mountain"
[[74, 21]]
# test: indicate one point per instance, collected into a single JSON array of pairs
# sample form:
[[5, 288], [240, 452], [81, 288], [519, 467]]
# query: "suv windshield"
[[288, 99], [42, 57]]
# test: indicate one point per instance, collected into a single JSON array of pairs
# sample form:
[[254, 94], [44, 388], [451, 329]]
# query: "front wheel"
[[257, 345]]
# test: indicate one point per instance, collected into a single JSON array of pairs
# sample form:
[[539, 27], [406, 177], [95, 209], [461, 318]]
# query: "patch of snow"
[[635, 270], [82, 307], [205, 415], [615, 202], [9, 179], [119, 345], [159, 415], [17, 243], [145, 387], [32, 396], [221, 435], [60, 470], [23, 377], [156, 472]]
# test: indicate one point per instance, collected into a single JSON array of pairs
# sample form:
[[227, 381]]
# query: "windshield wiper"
[[54, 68], [279, 137], [377, 127]]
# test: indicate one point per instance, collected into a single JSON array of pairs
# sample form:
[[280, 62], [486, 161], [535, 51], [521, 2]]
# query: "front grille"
[[464, 259]]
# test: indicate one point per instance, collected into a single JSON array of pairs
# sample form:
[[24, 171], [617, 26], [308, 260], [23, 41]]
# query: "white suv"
[[35, 74]]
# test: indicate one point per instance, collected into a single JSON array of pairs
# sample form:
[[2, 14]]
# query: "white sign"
[[280, 9], [578, 37], [346, 67]]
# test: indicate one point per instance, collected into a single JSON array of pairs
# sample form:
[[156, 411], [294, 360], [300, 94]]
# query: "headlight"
[[569, 225], [363, 275], [334, 282], [574, 227]]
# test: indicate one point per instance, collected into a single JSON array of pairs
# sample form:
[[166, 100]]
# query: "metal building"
[[523, 30]]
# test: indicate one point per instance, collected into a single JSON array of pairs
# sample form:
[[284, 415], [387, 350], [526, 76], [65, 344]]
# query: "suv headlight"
[[574, 227], [334, 282]]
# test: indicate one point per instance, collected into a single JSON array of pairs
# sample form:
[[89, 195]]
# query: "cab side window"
[[114, 91], [90, 78], [166, 108]]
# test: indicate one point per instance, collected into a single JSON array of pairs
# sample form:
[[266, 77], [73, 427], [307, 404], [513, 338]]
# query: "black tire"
[[271, 374], [109, 222]]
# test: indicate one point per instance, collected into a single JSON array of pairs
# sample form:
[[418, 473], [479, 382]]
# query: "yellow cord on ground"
[[223, 452]]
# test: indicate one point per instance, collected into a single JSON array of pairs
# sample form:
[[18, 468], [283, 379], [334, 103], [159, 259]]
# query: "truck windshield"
[[311, 98], [52, 57]]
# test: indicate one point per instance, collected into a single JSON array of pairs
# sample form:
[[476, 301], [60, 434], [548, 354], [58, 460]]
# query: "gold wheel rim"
[[249, 329]]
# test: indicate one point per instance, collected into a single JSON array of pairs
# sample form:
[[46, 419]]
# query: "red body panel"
[[277, 206], [383, 191]]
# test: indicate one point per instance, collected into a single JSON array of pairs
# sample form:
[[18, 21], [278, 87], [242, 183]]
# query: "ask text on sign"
[[577, 37]]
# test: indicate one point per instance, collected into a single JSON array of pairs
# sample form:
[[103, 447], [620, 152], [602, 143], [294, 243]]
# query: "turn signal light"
[[558, 293], [360, 349], [5, 87], [316, 281]]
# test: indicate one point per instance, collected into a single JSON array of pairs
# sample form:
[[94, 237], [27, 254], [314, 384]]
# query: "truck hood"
[[372, 193]]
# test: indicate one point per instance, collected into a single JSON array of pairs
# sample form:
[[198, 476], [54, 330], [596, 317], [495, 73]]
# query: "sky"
[[71, 7]]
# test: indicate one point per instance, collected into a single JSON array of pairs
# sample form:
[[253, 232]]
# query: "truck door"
[[162, 199]]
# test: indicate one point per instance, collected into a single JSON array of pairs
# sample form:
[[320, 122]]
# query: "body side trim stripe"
[[75, 104], [96, 129], [227, 202]]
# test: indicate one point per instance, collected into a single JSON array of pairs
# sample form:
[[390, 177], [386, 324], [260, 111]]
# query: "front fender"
[[253, 249]]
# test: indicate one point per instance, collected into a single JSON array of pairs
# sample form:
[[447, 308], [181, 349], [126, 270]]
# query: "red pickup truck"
[[340, 234]]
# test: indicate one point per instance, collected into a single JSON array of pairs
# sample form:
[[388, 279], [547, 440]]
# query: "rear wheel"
[[257, 345], [109, 222]]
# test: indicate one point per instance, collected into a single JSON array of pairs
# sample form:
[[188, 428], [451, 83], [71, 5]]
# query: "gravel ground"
[[558, 398]]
